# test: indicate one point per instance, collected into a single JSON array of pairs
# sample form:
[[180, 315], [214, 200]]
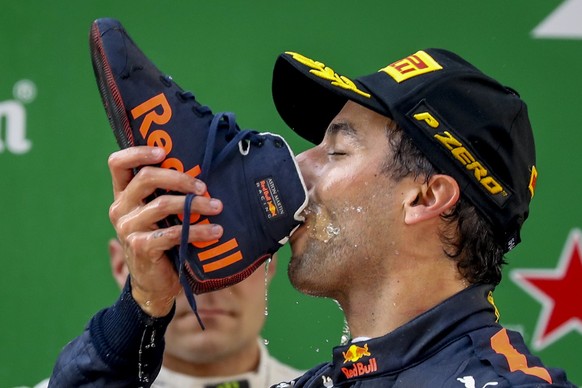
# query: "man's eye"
[[336, 153]]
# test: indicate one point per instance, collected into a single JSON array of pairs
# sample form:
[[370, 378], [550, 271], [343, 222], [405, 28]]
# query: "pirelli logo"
[[412, 66], [461, 152]]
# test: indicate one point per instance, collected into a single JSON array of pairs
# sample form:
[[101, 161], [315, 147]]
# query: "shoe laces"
[[236, 139]]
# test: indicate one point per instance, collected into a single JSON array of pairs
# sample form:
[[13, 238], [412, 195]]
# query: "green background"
[[54, 199]]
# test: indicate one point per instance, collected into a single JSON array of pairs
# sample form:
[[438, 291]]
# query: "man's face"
[[233, 318], [354, 213]]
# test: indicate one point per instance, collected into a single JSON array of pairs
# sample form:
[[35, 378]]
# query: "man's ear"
[[431, 199], [116, 258]]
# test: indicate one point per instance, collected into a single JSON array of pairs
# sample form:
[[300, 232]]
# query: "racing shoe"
[[254, 174]]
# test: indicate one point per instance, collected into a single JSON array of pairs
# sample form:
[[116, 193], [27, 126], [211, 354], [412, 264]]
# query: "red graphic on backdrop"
[[559, 291]]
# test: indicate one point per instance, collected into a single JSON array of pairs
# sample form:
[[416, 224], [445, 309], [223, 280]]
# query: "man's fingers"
[[170, 237], [149, 179], [135, 215], [154, 243], [131, 192], [137, 187], [146, 216], [122, 164]]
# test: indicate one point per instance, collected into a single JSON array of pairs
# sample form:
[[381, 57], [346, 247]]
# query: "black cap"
[[467, 124]]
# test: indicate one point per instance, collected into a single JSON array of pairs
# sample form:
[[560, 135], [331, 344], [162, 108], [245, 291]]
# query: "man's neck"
[[373, 311]]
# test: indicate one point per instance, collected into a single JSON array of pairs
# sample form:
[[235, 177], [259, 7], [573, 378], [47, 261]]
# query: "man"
[[417, 187], [230, 350]]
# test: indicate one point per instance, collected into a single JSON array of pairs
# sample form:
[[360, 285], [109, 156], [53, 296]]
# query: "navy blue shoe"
[[254, 174]]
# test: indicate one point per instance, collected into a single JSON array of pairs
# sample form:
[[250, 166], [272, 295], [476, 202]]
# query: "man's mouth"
[[306, 216], [213, 312]]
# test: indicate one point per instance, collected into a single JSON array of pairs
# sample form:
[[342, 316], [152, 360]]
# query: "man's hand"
[[154, 280]]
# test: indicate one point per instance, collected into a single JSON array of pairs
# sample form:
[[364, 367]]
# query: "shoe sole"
[[112, 101]]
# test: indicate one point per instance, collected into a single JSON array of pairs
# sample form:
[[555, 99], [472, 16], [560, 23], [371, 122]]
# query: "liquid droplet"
[[345, 333], [332, 230], [267, 263], [266, 341]]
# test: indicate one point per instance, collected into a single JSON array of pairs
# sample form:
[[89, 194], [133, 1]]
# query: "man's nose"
[[307, 163]]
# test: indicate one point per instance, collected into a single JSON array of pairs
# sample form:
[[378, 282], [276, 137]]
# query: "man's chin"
[[298, 278], [211, 340]]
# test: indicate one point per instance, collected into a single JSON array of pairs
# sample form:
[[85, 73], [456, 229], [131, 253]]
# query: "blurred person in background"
[[230, 351]]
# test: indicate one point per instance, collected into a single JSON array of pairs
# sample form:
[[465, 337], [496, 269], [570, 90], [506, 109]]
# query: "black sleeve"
[[122, 346]]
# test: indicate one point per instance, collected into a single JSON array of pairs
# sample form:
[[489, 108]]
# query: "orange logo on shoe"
[[412, 66], [214, 252], [355, 352], [157, 110]]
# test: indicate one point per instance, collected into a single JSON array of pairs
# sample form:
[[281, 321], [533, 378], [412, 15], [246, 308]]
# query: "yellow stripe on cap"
[[325, 72]]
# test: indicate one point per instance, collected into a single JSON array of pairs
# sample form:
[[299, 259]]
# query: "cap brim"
[[307, 102]]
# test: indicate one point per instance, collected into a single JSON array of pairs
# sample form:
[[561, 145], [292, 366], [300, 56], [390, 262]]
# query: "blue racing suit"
[[121, 347], [458, 343]]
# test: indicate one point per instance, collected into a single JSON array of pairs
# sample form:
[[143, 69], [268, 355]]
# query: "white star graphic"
[[565, 22]]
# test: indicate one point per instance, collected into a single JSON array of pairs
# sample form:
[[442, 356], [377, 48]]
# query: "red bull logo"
[[269, 197], [360, 369], [355, 352], [272, 209], [267, 194]]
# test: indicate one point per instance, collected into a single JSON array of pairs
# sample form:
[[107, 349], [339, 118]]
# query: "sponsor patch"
[[360, 368], [354, 354], [270, 198], [412, 66]]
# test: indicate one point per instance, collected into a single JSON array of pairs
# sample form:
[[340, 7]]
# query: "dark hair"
[[466, 236]]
